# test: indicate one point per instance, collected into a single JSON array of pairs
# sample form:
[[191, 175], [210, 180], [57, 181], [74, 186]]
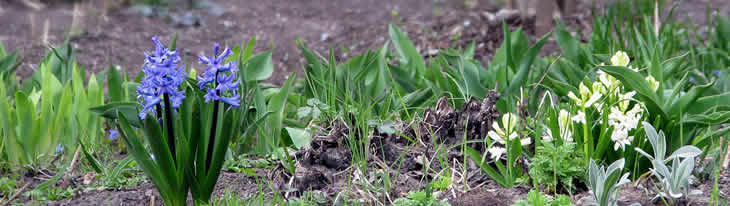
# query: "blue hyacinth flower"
[[113, 134], [59, 148], [220, 76], [162, 76]]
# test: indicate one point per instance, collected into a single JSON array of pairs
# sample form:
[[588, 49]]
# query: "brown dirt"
[[143, 194], [633, 193], [120, 38], [491, 195], [350, 26], [328, 164]]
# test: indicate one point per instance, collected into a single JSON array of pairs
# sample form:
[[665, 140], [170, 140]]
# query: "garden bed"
[[452, 103]]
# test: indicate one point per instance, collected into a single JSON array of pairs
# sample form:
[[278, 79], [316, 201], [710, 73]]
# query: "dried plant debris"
[[446, 126], [420, 145], [328, 154]]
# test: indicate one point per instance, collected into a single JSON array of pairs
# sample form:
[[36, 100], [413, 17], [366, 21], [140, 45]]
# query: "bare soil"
[[120, 38], [350, 26]]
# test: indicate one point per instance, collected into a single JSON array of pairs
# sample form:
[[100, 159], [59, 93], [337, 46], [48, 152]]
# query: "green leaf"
[[477, 158], [158, 143], [521, 77], [407, 52], [276, 105], [687, 151], [249, 49], [259, 67], [161, 180], [111, 110], [569, 45], [26, 115], [8, 64], [3, 52], [473, 86], [687, 100], [91, 159], [710, 103], [634, 80], [114, 83], [300, 137]]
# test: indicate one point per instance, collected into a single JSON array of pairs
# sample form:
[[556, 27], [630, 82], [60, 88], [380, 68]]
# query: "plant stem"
[[211, 141], [213, 128], [587, 141], [168, 124]]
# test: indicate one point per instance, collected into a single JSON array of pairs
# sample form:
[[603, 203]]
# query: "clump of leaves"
[[313, 110], [441, 183], [7, 186], [309, 198], [605, 182], [246, 165], [51, 193], [675, 180], [535, 198], [557, 166], [420, 198]]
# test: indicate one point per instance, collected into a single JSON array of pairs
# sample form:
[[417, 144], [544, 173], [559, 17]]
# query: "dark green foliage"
[[557, 168], [535, 198]]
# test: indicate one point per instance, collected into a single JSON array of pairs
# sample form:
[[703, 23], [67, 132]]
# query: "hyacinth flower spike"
[[161, 86], [160, 92], [218, 82]]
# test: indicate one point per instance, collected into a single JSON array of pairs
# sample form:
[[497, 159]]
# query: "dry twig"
[[16, 194]]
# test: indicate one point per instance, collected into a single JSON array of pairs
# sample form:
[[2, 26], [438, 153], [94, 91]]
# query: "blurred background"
[[116, 32]]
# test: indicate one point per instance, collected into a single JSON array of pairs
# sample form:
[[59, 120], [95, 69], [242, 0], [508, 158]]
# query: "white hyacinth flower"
[[505, 132], [620, 59], [625, 100], [579, 117], [621, 138], [624, 121], [587, 97], [653, 83], [609, 82], [564, 124], [507, 129], [496, 152]]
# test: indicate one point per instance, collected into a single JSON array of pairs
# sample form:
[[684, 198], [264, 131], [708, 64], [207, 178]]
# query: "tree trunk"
[[544, 17], [567, 7]]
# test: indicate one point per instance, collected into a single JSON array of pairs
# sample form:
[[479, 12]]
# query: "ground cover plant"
[[394, 125]]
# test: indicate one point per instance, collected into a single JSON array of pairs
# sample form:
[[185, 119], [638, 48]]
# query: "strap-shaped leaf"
[[477, 158], [636, 81], [121, 166], [140, 154], [94, 164], [111, 111], [687, 100], [656, 144], [158, 143], [519, 79], [569, 45], [8, 64], [716, 102], [687, 151], [26, 120], [407, 52], [259, 67], [277, 104], [114, 83]]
